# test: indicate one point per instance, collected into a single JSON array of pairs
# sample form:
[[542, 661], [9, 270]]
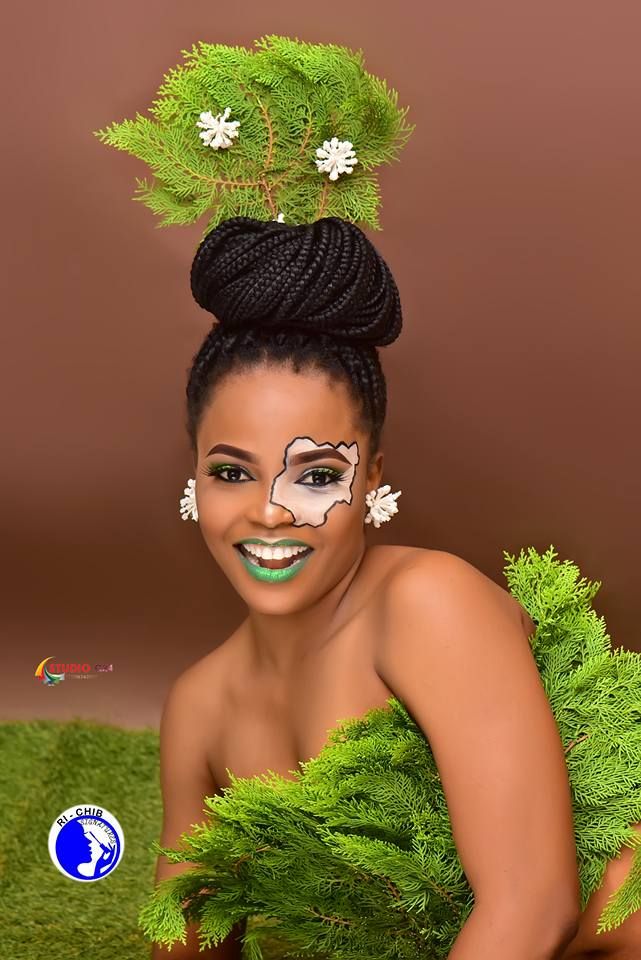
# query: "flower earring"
[[188, 508], [382, 505]]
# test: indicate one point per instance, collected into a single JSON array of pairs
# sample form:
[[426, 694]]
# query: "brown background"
[[512, 224]]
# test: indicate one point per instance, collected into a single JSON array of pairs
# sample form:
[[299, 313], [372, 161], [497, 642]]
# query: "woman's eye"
[[232, 473], [322, 477], [227, 468]]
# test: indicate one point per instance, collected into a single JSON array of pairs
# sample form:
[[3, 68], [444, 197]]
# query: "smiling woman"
[[286, 401]]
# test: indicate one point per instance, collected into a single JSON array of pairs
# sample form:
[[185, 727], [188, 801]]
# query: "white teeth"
[[255, 552], [272, 553]]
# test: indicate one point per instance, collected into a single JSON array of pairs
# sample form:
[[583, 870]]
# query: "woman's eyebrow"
[[233, 452], [329, 453]]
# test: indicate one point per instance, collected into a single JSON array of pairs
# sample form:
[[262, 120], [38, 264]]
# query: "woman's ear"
[[375, 471]]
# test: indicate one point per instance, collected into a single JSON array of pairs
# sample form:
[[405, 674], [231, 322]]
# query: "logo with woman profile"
[[86, 843]]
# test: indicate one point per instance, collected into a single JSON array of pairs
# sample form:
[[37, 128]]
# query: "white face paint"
[[310, 503]]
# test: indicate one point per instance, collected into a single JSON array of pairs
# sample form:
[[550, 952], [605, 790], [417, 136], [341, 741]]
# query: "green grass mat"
[[46, 767]]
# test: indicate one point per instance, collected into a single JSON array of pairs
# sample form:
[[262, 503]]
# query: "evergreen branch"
[[270, 147], [249, 856], [268, 124], [323, 201], [284, 96], [296, 162], [573, 743], [335, 920], [269, 198], [217, 181]]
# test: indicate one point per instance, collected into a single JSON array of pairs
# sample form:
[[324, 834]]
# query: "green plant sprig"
[[289, 96]]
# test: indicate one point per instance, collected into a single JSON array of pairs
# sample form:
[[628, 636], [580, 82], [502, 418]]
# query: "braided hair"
[[314, 295]]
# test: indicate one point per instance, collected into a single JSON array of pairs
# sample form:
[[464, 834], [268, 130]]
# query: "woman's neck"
[[280, 643]]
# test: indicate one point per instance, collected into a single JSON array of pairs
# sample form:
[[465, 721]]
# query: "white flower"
[[337, 157], [382, 505], [188, 506], [280, 218], [217, 131]]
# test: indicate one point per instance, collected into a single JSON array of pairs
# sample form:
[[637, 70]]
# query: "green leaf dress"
[[355, 858]]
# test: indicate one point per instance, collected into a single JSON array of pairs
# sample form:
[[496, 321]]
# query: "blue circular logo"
[[86, 842]]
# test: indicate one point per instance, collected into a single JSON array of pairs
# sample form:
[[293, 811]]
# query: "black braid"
[[315, 295]]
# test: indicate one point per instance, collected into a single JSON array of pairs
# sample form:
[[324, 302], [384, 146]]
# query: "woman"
[[286, 403]]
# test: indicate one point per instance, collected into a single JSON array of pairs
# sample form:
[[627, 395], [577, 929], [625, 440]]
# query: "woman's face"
[[280, 458]]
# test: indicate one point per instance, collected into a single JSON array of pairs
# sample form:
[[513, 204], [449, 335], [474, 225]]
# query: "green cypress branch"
[[289, 97]]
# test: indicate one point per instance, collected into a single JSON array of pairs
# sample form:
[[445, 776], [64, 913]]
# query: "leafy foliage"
[[289, 96], [355, 857]]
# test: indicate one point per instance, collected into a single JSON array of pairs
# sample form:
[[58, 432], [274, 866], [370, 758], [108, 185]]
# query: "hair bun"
[[324, 276]]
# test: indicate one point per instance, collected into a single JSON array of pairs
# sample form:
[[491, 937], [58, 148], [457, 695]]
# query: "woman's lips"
[[272, 564]]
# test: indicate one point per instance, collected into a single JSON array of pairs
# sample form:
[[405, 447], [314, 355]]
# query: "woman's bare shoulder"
[[421, 572], [203, 681]]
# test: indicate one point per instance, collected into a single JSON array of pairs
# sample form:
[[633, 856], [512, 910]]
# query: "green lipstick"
[[270, 575]]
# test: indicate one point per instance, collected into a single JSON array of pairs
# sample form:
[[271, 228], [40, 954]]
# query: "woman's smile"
[[273, 564]]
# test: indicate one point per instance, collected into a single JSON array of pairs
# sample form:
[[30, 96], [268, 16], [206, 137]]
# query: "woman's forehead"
[[272, 408]]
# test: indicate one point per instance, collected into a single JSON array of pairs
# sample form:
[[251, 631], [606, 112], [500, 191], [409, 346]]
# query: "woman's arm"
[[455, 653], [185, 781]]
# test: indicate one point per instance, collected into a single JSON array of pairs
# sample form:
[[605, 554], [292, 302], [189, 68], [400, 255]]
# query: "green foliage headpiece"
[[291, 131]]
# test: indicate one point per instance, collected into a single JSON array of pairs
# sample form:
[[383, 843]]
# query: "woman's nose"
[[265, 511]]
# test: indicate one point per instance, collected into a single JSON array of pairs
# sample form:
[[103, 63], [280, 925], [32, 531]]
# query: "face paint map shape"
[[309, 504]]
